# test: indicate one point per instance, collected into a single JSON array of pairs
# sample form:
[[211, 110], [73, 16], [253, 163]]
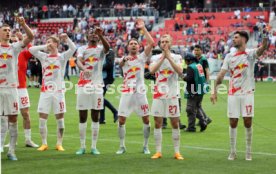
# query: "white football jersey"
[[133, 70], [166, 84], [53, 66], [8, 64], [93, 58], [241, 67]]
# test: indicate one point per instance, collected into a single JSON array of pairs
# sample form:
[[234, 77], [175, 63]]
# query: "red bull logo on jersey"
[[241, 66], [91, 60], [5, 56], [52, 67], [166, 72], [133, 69]]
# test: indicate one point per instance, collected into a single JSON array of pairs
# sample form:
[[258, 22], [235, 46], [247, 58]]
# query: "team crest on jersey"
[[52, 67], [5, 56], [91, 60], [241, 66], [166, 72], [133, 69]]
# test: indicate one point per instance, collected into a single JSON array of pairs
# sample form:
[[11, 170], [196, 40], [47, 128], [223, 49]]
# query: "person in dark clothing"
[[205, 65], [39, 72], [75, 22], [261, 70], [33, 65], [108, 77], [256, 70], [196, 88], [66, 73]]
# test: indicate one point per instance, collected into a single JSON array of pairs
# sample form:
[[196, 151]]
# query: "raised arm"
[[263, 47], [36, 51], [150, 42], [106, 45], [72, 47], [29, 33]]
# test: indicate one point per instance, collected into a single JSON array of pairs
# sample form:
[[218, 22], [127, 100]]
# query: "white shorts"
[[133, 102], [165, 108], [88, 101], [49, 100], [23, 97], [242, 105], [8, 101]]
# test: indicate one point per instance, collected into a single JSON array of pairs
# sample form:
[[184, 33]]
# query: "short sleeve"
[[252, 53], [225, 64], [18, 46], [80, 52], [152, 60], [102, 55], [178, 60], [142, 57]]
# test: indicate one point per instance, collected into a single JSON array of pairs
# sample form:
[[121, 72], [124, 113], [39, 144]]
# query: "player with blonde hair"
[[166, 67], [52, 89]]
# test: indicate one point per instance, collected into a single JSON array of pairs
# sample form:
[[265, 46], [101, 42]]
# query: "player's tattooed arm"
[[263, 47]]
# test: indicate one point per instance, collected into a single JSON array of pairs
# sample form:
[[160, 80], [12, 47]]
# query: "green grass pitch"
[[204, 152]]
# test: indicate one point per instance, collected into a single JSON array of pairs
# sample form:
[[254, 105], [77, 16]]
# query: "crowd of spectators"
[[120, 30], [33, 12]]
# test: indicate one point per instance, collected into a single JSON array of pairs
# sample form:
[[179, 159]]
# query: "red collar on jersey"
[[52, 55], [133, 58], [3, 45], [91, 47], [240, 53]]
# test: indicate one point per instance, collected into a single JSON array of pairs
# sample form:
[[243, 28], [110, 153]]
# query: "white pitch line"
[[168, 145]]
